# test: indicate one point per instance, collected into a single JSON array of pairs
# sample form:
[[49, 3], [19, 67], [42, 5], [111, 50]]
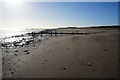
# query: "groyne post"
[[77, 32], [51, 33], [41, 33], [55, 33], [61, 33], [73, 32]]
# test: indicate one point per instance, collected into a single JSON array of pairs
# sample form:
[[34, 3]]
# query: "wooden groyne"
[[55, 33]]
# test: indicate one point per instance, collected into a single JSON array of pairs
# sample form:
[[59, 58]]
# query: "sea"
[[9, 32]]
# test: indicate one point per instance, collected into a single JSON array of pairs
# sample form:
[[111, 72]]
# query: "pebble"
[[11, 72], [89, 64], [63, 68], [18, 66], [3, 59], [15, 54], [16, 50], [14, 63], [10, 69], [33, 45], [25, 51]]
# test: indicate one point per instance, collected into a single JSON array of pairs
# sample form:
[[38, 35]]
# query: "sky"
[[58, 14]]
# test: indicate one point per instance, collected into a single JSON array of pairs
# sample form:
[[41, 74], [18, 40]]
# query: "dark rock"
[[18, 66], [16, 50], [15, 54], [63, 68], [12, 72], [3, 59], [14, 63], [89, 64], [106, 50], [25, 51], [33, 45]]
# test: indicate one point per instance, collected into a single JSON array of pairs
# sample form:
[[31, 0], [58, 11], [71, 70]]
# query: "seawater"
[[5, 33]]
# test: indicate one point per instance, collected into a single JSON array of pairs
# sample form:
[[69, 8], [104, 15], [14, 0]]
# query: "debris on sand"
[[89, 64]]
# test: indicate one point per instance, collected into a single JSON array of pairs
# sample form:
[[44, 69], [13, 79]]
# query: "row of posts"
[[51, 33]]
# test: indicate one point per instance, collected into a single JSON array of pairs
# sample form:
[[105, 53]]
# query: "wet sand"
[[92, 55]]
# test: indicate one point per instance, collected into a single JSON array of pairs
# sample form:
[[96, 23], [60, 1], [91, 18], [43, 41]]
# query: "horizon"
[[58, 14]]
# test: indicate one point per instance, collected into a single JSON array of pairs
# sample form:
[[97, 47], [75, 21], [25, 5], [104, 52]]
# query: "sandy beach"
[[93, 55]]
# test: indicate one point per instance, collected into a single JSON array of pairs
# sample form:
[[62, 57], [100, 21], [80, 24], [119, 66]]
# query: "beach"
[[93, 55]]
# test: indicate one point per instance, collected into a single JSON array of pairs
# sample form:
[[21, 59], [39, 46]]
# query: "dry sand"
[[68, 56]]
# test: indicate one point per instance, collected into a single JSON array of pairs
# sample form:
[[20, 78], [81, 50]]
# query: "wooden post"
[[77, 32], [61, 33], [55, 33], [73, 32], [51, 33], [41, 33]]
